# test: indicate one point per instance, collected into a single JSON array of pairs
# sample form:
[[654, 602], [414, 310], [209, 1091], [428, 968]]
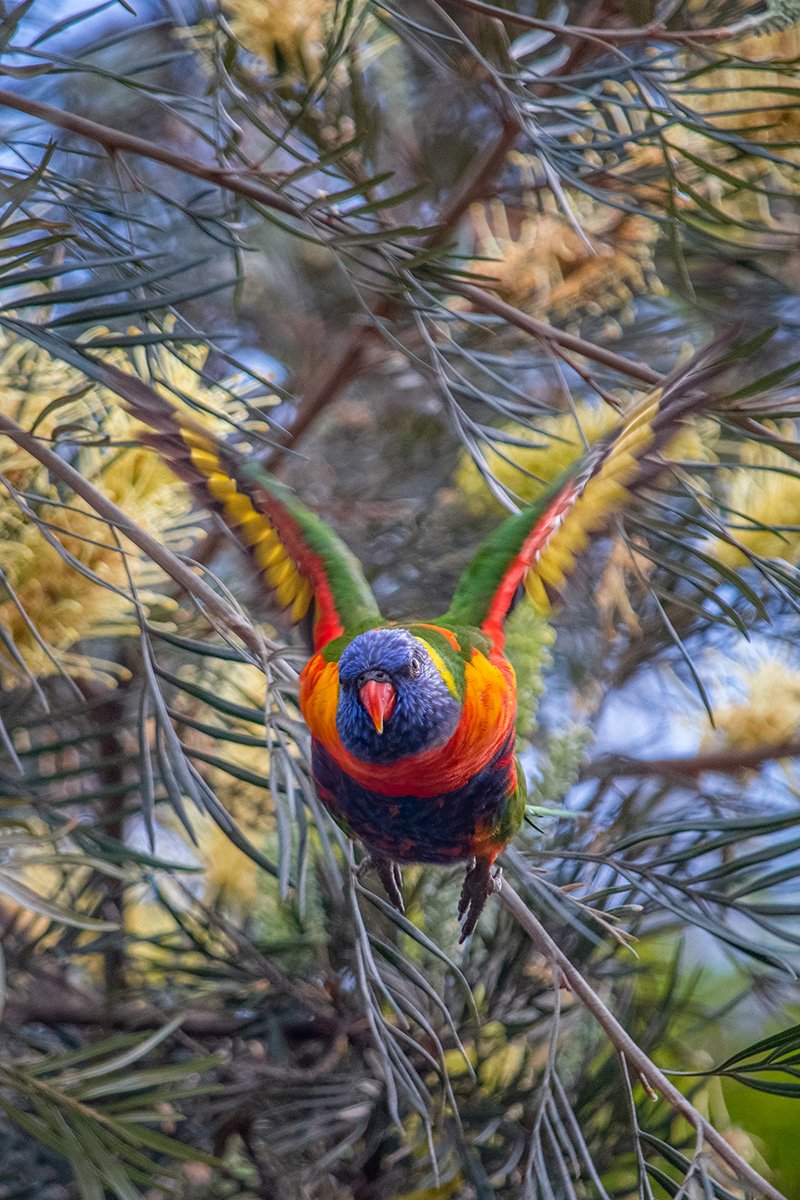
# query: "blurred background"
[[415, 257]]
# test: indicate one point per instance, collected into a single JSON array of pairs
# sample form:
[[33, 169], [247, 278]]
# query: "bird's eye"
[[415, 666]]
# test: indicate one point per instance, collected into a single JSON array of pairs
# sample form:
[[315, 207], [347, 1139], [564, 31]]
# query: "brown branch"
[[59, 1010], [109, 718], [163, 557], [488, 303], [114, 140], [85, 1012], [478, 180], [347, 366], [608, 39], [628, 1048], [689, 767]]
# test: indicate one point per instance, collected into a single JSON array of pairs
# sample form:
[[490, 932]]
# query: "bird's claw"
[[390, 876], [481, 881]]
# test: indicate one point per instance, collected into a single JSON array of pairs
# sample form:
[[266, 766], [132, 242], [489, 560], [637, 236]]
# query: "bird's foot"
[[483, 878], [390, 876]]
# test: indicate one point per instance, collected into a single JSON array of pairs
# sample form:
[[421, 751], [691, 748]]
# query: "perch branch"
[[627, 1047]]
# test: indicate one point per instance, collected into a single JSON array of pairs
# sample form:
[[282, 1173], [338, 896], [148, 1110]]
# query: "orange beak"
[[379, 700]]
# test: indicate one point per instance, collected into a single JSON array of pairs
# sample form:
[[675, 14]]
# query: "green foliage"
[[97, 1107], [529, 637], [769, 1065], [562, 759]]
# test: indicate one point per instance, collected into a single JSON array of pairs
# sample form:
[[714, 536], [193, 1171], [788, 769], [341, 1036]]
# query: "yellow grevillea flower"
[[764, 709], [500, 1060], [754, 94], [47, 604], [558, 441], [763, 499], [229, 872], [762, 79], [442, 1191], [526, 470], [541, 263], [625, 573], [287, 34]]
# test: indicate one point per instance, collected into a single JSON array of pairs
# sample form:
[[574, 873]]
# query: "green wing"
[[535, 549]]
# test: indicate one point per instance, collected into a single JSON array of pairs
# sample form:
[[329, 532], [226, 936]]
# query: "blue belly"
[[414, 829]]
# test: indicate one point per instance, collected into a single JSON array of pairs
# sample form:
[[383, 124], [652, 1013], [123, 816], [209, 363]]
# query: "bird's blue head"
[[393, 700]]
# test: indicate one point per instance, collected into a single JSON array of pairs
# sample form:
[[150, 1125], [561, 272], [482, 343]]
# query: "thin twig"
[[488, 303], [624, 1043]]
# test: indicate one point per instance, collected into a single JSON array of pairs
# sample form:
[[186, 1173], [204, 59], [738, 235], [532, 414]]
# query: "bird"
[[412, 723]]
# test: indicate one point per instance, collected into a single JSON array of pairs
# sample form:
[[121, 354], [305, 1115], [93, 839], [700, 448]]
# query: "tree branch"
[[487, 302], [689, 767], [85, 1011], [627, 1047], [611, 37], [56, 1011], [115, 140]]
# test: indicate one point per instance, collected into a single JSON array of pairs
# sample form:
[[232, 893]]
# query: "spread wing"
[[309, 570], [535, 549]]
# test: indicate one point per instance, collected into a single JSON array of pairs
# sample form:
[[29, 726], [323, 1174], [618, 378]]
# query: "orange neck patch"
[[487, 715]]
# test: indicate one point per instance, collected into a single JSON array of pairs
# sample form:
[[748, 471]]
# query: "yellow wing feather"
[[603, 495]]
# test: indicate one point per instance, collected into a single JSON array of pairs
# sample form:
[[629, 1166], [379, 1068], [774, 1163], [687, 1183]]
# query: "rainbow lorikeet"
[[413, 723]]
